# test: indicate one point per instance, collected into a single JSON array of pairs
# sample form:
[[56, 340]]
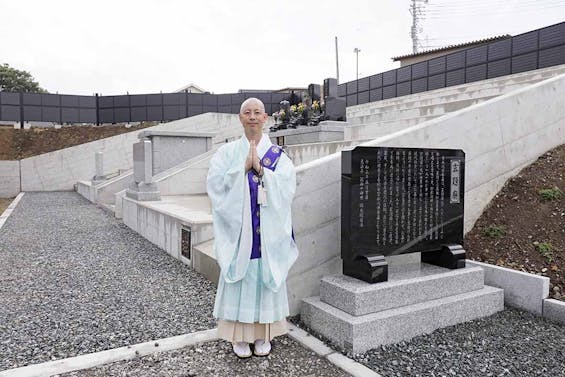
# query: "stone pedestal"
[[417, 299], [143, 188], [99, 168]]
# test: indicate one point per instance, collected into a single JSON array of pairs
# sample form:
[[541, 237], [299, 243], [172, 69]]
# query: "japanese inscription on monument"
[[401, 200]]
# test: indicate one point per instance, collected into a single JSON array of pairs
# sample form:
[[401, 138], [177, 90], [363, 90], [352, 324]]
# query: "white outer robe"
[[228, 189]]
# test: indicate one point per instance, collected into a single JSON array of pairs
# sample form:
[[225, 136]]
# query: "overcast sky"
[[144, 46]]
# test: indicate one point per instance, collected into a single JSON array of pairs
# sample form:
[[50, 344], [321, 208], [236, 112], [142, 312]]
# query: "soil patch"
[[4, 203], [523, 227], [16, 144]]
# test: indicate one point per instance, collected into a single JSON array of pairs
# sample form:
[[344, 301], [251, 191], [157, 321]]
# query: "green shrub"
[[494, 231], [546, 250], [550, 193]]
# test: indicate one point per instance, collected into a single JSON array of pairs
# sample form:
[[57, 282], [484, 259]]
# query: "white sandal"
[[242, 350], [261, 347]]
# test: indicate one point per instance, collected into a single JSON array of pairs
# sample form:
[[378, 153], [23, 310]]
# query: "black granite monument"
[[397, 201]]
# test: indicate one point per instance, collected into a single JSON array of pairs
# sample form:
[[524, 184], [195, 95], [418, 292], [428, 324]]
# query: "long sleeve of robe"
[[228, 189]]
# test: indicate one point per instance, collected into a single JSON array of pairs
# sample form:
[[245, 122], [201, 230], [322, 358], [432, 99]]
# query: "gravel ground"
[[287, 358], [509, 343], [74, 280]]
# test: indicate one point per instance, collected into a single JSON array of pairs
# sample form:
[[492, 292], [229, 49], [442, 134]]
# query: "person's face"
[[253, 117]]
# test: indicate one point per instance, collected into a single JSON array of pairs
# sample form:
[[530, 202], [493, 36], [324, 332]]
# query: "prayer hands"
[[252, 161]]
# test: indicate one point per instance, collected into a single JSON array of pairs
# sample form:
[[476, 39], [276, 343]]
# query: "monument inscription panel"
[[400, 200]]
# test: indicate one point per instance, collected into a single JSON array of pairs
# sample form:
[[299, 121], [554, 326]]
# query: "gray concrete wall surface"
[[60, 170], [9, 179]]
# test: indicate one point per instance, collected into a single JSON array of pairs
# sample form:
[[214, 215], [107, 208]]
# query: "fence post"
[[97, 109], [21, 109]]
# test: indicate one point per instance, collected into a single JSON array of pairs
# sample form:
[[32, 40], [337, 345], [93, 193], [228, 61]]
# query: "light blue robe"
[[254, 290]]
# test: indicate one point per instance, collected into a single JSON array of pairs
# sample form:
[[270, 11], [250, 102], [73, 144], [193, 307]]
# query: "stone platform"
[[417, 299]]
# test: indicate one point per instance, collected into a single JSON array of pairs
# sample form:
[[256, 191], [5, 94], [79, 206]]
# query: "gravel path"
[[287, 358], [509, 343], [74, 280]]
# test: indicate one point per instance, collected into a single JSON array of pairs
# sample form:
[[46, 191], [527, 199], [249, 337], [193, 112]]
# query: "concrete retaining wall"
[[60, 170], [499, 136], [303, 153], [9, 179]]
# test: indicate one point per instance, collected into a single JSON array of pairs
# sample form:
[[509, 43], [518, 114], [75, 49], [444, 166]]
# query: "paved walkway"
[[74, 280]]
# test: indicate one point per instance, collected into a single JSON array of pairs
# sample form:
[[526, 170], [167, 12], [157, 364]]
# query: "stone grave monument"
[[400, 202], [397, 201]]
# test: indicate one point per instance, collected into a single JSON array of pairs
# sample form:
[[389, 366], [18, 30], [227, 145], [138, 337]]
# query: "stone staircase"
[[380, 118], [418, 299]]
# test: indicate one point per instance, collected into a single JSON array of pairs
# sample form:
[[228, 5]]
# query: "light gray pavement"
[[73, 280]]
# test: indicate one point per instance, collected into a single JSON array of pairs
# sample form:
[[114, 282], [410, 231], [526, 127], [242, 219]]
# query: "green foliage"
[[550, 193], [14, 80], [546, 250], [494, 231]]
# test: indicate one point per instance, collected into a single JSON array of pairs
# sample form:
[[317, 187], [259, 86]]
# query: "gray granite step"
[[407, 285], [358, 334]]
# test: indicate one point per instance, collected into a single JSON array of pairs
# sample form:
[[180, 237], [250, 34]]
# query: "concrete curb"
[[96, 359], [554, 310], [10, 209], [341, 361], [521, 289]]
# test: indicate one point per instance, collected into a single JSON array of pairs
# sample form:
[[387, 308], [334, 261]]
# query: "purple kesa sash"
[[269, 161]]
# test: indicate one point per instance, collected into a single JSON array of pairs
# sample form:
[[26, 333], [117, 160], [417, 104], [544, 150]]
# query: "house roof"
[[460, 45], [191, 85]]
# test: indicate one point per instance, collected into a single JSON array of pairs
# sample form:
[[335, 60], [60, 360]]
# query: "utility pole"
[[336, 61], [417, 15], [357, 51]]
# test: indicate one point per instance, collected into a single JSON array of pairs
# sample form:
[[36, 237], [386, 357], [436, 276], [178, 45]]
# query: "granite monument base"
[[417, 299], [143, 192]]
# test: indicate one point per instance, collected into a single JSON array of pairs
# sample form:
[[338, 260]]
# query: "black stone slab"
[[399, 200]]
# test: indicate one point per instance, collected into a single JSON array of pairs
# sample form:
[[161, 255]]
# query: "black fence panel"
[[552, 36], [551, 56], [499, 68], [526, 62], [375, 81], [500, 49]]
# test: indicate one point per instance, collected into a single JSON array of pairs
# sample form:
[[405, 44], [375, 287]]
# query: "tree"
[[14, 80]]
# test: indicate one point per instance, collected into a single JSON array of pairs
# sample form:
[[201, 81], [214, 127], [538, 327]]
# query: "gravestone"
[[398, 201], [99, 168], [143, 188], [314, 91], [335, 106]]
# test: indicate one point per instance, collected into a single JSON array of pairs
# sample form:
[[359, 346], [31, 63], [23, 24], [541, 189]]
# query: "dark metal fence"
[[533, 50], [60, 108]]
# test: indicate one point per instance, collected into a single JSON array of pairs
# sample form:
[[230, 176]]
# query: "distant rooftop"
[[452, 47], [191, 88]]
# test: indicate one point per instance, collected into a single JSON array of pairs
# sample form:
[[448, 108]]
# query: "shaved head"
[[252, 101]]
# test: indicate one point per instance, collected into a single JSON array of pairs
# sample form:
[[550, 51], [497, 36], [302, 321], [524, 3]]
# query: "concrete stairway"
[[376, 119], [417, 299]]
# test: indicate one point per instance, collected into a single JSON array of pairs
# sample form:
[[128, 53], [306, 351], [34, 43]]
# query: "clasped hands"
[[252, 161]]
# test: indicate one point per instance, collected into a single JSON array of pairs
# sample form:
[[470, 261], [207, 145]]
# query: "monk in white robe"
[[251, 183]]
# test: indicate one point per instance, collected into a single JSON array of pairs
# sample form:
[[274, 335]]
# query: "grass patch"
[[494, 231], [546, 250], [550, 193]]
